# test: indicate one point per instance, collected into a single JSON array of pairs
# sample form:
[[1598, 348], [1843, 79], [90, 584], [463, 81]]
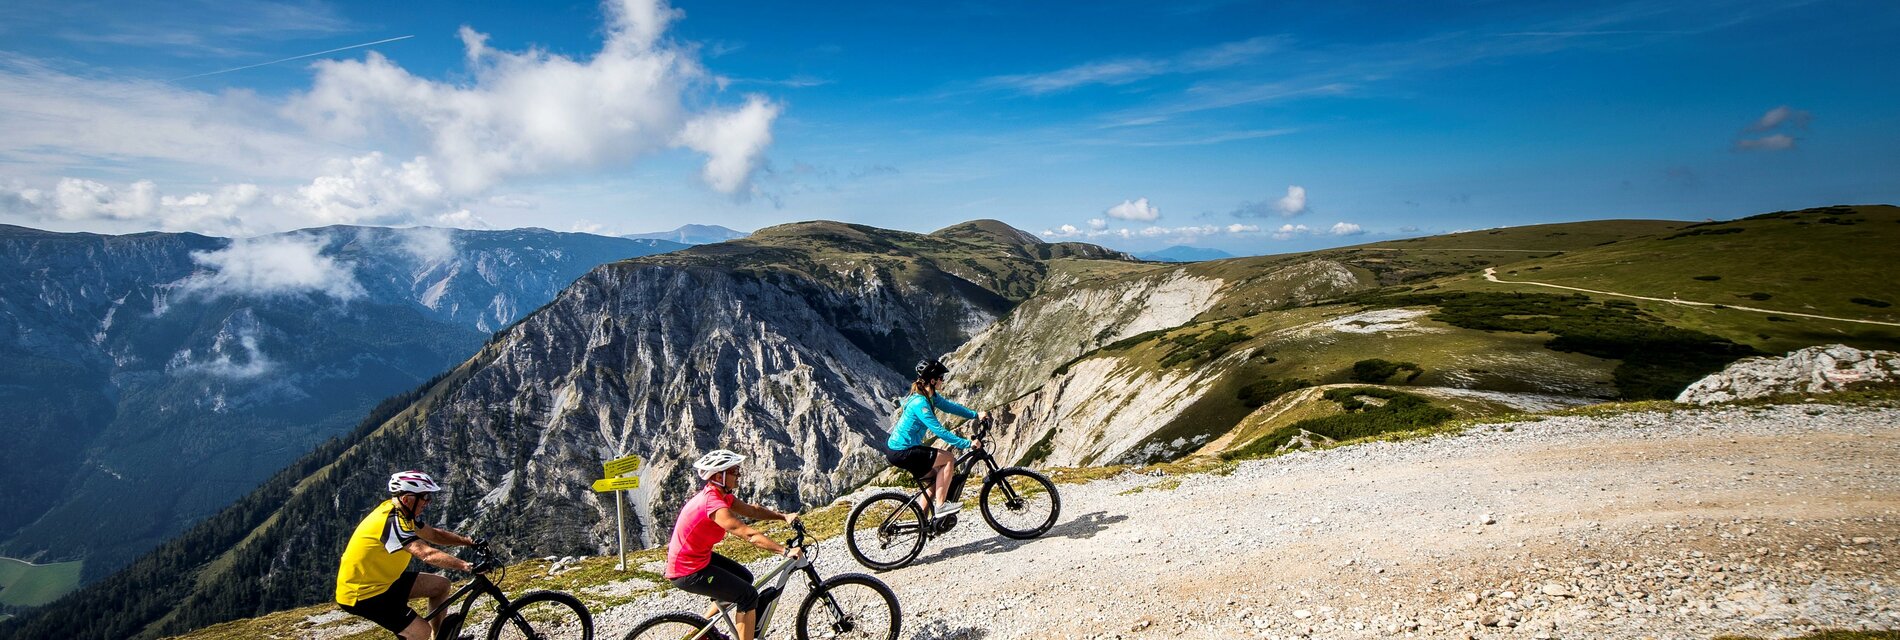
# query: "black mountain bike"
[[851, 605], [536, 615], [887, 530]]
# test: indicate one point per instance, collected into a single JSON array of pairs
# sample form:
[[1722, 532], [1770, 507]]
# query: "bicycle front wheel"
[[675, 626], [1020, 503], [543, 615], [854, 606], [885, 531]]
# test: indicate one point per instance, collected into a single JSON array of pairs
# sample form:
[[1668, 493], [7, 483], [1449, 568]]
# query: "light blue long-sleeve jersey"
[[918, 416]]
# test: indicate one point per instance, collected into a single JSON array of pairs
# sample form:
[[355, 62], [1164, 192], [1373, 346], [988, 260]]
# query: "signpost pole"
[[620, 514]]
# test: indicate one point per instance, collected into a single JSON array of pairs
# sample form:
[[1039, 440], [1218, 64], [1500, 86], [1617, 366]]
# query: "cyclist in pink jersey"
[[706, 519]]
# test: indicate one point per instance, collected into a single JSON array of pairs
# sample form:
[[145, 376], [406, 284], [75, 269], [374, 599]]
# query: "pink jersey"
[[695, 533]]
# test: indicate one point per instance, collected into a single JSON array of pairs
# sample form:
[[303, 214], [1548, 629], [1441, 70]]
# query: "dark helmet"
[[931, 368]]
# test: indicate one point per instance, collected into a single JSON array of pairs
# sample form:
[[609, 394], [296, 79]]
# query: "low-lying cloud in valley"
[[266, 267]]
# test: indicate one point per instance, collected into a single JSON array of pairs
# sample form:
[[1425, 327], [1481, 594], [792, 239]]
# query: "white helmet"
[[412, 482], [716, 461]]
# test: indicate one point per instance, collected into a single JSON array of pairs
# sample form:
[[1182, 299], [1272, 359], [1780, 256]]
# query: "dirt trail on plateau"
[[1652, 525]]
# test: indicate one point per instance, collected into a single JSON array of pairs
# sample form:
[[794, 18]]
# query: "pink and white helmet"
[[412, 482]]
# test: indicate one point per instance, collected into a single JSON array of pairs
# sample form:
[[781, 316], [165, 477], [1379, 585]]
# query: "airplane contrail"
[[307, 55]]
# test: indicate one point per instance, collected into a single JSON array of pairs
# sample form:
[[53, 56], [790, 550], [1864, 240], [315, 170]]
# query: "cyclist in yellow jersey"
[[373, 580]]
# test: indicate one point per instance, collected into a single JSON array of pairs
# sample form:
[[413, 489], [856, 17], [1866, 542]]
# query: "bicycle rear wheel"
[[885, 531], [1020, 503], [674, 626], [543, 615], [852, 606]]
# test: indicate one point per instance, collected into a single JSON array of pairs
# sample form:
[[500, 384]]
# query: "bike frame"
[[481, 585], [964, 464], [783, 573]]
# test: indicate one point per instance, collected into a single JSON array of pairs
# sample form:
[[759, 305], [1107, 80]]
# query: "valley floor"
[[1767, 521]]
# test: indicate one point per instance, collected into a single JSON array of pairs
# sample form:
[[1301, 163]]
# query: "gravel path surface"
[[1689, 524]]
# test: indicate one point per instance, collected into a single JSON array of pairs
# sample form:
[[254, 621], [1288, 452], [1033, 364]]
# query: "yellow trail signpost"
[[614, 469]]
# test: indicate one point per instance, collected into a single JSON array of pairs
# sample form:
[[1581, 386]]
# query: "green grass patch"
[[1658, 360], [1194, 348], [1039, 451], [1369, 412], [24, 584], [1260, 392], [1165, 485], [1377, 371]]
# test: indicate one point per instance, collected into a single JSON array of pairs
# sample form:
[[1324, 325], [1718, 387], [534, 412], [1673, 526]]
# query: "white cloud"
[[535, 112], [1137, 209], [1126, 70], [1778, 115], [732, 141], [1775, 142], [1294, 202], [1345, 229], [139, 204], [1098, 224], [271, 266], [367, 190], [428, 245], [462, 219], [54, 119], [253, 363], [1242, 228], [1288, 231]]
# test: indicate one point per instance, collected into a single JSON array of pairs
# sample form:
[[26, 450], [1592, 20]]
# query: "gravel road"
[[1688, 524]]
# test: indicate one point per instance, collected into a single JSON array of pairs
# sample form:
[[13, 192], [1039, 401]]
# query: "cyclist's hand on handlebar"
[[976, 444], [790, 518], [793, 552], [478, 543]]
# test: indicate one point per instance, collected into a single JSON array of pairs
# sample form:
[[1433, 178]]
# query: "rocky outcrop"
[[1822, 369], [1019, 353]]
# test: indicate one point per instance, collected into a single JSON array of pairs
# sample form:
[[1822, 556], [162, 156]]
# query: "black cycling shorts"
[[389, 609], [917, 460], [724, 580]]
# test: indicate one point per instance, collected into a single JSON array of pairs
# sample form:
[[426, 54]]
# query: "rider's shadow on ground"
[[1085, 526], [940, 630]]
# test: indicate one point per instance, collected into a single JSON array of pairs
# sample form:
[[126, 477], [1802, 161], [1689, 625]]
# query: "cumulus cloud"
[[733, 142], [1098, 224], [535, 111], [369, 190], [140, 204], [1345, 229], [1775, 142], [1288, 231], [1242, 228], [1777, 116], [1137, 209], [1287, 206], [270, 267], [1294, 202]]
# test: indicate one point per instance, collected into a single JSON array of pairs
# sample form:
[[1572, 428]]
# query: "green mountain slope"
[[1125, 391]]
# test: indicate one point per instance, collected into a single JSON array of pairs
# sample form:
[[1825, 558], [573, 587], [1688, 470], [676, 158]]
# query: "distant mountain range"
[[1183, 253], [692, 234], [149, 379]]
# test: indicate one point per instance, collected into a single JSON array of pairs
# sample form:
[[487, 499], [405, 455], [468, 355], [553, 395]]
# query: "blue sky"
[[1245, 126]]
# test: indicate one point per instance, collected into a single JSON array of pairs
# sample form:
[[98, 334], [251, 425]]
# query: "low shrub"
[[1376, 371]]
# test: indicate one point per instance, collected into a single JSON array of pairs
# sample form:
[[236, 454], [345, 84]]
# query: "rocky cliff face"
[[1822, 369], [151, 378], [1069, 402]]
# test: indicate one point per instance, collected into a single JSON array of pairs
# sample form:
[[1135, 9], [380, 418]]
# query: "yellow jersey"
[[375, 557]]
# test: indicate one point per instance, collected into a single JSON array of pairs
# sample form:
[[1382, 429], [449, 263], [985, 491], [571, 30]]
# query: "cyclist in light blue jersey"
[[907, 448]]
